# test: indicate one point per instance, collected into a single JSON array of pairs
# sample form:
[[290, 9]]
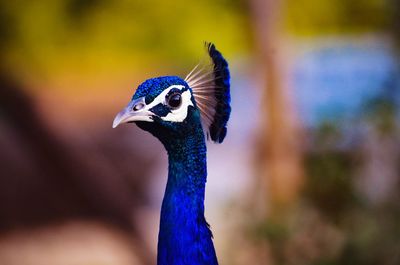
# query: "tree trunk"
[[280, 152]]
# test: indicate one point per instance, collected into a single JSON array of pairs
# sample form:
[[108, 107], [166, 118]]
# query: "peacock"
[[183, 114]]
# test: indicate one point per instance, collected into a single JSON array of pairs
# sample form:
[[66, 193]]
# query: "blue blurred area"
[[335, 79]]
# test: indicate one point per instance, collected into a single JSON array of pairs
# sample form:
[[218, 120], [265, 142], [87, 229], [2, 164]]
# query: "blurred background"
[[308, 174]]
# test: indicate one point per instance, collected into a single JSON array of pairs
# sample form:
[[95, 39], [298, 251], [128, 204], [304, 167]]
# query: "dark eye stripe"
[[160, 110]]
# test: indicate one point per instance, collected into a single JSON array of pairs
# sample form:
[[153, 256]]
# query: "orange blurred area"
[[69, 243]]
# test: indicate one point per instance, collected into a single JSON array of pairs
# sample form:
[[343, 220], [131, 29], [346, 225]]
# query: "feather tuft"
[[210, 84]]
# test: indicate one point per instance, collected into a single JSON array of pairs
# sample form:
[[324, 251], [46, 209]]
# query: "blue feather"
[[223, 108]]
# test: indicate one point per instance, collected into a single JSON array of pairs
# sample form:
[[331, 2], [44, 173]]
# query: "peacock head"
[[170, 107]]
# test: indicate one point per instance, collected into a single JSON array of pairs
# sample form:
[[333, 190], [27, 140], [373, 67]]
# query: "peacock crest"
[[210, 84]]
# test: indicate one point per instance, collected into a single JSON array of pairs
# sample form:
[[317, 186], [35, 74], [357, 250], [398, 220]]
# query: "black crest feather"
[[211, 89]]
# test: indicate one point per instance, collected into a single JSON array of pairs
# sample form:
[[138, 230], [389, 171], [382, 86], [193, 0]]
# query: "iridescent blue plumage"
[[154, 86], [167, 108], [223, 108]]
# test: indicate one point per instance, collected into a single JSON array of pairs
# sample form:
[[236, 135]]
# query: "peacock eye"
[[174, 100]]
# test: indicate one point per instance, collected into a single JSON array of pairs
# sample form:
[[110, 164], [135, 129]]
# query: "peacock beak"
[[135, 111]]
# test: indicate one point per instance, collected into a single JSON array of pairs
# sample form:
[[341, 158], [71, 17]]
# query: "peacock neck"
[[184, 236], [187, 167]]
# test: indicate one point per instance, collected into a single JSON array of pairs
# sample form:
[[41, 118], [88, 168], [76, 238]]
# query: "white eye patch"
[[176, 115]]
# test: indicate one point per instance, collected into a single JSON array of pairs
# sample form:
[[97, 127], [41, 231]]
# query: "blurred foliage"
[[49, 37], [382, 111], [373, 237], [335, 222], [273, 231], [309, 17], [383, 115], [329, 185]]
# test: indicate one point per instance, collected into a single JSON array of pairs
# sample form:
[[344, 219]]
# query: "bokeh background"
[[308, 174]]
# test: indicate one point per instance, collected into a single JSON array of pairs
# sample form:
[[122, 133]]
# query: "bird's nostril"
[[138, 106]]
